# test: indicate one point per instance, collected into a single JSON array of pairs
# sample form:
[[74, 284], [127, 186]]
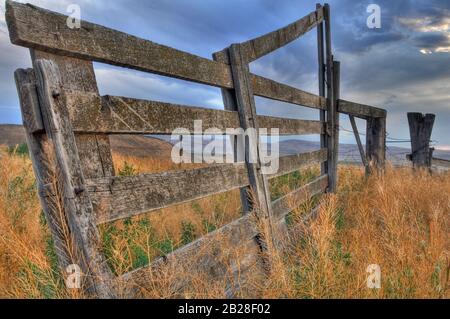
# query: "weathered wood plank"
[[332, 112], [77, 76], [226, 254], [31, 113], [321, 76], [41, 29], [333, 128], [291, 201], [78, 81], [376, 142], [42, 160], [121, 197], [259, 183], [360, 110], [289, 164], [421, 129], [291, 126], [271, 89], [95, 155], [358, 140], [263, 45], [250, 120], [77, 205], [120, 115], [238, 143]]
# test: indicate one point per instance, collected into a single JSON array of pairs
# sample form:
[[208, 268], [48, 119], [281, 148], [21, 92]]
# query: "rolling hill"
[[133, 145], [160, 146]]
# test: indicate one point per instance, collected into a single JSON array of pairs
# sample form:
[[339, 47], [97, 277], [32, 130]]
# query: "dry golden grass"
[[144, 165], [398, 220], [25, 258]]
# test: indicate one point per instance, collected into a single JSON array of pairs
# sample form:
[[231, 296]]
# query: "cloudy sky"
[[403, 67]]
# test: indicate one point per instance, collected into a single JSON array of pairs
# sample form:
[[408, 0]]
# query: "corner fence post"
[[238, 144], [259, 184], [322, 93], [77, 204], [43, 164], [421, 128], [332, 114], [337, 96]]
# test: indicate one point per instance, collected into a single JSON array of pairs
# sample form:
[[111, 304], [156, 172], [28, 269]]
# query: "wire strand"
[[389, 138]]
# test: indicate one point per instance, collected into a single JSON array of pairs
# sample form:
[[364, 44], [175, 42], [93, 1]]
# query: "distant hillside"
[[161, 147], [347, 152], [12, 135], [139, 146]]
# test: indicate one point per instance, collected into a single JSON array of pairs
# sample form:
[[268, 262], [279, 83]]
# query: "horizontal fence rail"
[[121, 197], [291, 126], [117, 198], [360, 110], [291, 201], [40, 29], [213, 264], [120, 115], [263, 45], [281, 92], [292, 163], [97, 43]]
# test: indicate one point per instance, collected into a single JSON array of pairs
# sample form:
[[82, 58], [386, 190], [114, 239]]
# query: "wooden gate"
[[68, 125]]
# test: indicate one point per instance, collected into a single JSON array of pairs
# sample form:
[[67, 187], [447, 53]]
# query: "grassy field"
[[399, 220]]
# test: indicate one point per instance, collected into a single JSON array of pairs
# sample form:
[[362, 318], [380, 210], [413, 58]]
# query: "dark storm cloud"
[[203, 27], [350, 25], [431, 40]]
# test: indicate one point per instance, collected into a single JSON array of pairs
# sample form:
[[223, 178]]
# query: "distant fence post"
[[420, 128], [376, 143]]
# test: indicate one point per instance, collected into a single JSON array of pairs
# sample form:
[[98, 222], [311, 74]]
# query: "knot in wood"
[[56, 93], [79, 190]]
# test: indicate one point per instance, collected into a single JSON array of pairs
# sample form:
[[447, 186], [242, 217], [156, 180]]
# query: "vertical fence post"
[[77, 204], [321, 60], [337, 96], [262, 204], [332, 114], [238, 145], [42, 163], [376, 143], [421, 128]]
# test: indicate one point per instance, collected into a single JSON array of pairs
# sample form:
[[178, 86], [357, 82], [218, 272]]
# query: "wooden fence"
[[68, 123]]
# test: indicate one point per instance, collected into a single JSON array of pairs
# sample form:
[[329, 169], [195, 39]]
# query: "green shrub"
[[139, 257], [165, 246], [188, 232], [208, 226], [19, 150], [128, 170]]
